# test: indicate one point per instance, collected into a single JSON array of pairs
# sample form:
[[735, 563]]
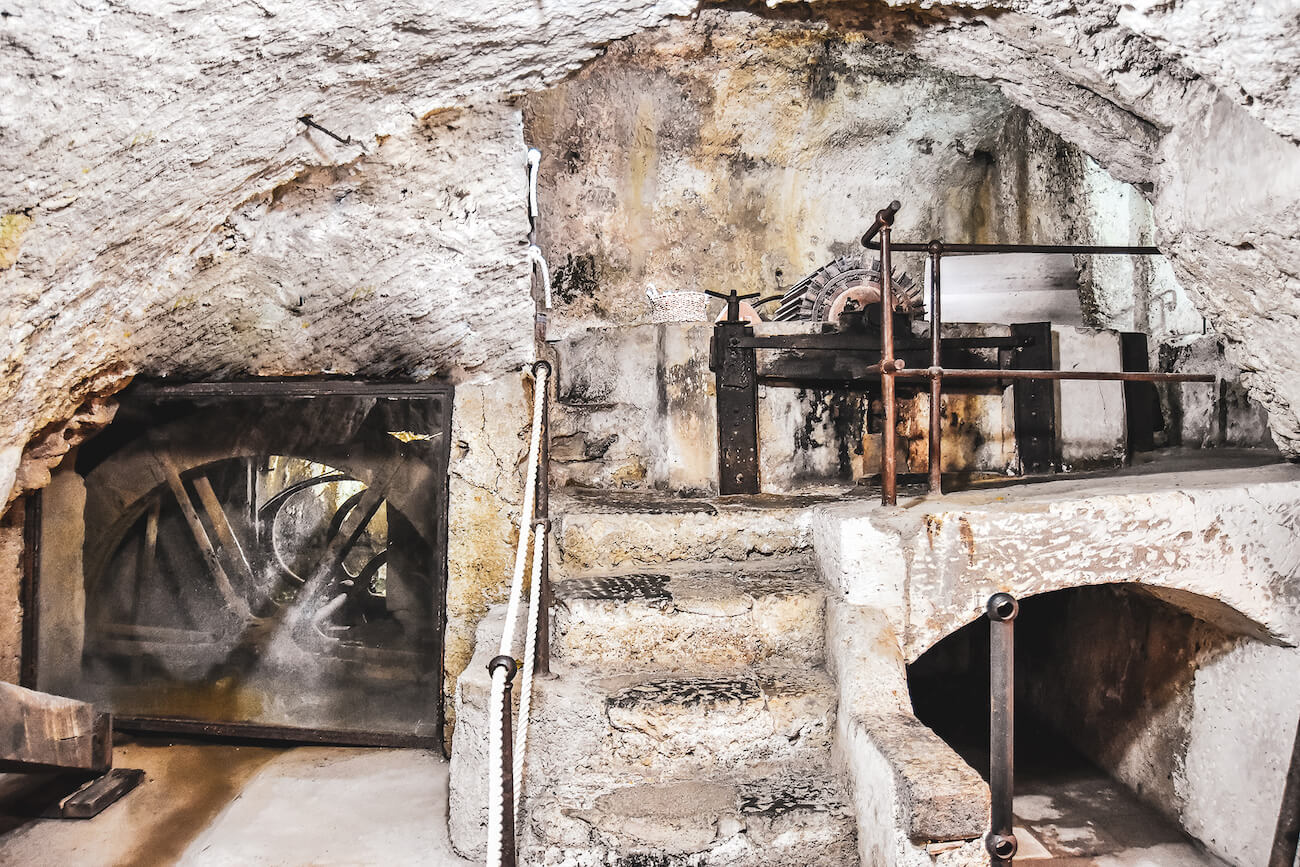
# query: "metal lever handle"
[[884, 217], [725, 295]]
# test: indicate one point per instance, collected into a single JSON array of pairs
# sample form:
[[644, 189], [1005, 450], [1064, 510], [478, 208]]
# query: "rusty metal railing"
[[936, 373], [732, 358]]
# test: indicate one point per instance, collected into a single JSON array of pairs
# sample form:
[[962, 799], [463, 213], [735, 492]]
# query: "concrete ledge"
[[1222, 541], [909, 787], [940, 797]]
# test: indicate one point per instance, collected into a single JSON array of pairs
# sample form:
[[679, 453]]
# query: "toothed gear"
[[813, 297]]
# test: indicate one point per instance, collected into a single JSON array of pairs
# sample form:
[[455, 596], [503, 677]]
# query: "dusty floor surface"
[[1082, 818], [219, 804]]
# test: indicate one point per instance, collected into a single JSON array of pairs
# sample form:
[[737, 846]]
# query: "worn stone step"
[[719, 718], [776, 816], [699, 618], [600, 529], [676, 725]]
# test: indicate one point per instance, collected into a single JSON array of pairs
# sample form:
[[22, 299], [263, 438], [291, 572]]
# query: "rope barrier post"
[[507, 803], [1001, 841], [505, 756], [542, 517]]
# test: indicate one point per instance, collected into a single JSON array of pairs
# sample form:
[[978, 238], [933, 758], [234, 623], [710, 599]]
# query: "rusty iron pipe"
[[870, 370], [980, 249], [884, 217], [889, 455], [1000, 373], [1001, 840], [935, 465]]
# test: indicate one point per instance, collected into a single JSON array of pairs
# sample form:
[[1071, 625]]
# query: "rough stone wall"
[[1171, 114], [1195, 720], [488, 450], [734, 151], [192, 116], [1113, 673], [166, 212], [11, 576]]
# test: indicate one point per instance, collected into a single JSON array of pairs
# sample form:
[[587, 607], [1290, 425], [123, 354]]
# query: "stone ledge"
[[1226, 536], [940, 796]]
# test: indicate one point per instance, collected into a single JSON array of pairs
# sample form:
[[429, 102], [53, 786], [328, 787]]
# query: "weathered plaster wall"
[[732, 151], [488, 450]]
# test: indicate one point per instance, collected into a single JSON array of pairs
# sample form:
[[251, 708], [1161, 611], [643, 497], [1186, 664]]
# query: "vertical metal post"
[[935, 465], [1034, 401], [542, 515], [1001, 841], [30, 594], [889, 447], [736, 386], [1141, 400], [507, 762], [1286, 838]]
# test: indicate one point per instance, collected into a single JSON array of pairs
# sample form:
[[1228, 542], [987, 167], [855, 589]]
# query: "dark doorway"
[[262, 559], [1101, 675]]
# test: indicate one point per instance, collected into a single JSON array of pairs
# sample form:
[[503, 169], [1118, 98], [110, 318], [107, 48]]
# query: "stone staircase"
[[690, 721]]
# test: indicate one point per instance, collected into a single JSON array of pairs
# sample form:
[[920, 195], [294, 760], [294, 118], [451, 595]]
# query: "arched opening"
[[1106, 691]]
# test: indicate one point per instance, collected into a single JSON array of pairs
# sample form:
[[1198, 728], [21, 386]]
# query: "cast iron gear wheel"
[[813, 298]]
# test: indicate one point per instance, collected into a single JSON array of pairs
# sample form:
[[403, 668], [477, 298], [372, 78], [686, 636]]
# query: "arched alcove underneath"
[[1109, 682]]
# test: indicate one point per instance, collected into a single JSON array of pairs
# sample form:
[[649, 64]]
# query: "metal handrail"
[[936, 372], [734, 345]]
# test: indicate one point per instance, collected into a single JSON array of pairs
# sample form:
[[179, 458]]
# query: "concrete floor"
[[1082, 818], [209, 805]]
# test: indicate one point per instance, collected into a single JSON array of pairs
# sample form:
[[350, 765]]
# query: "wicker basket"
[[679, 307]]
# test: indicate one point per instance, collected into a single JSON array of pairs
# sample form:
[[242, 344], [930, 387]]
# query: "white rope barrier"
[[530, 652], [536, 257], [498, 691]]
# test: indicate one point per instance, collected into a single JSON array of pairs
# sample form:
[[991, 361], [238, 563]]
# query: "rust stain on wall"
[[967, 538]]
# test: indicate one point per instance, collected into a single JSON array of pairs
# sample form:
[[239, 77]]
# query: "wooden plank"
[[100, 793], [42, 732]]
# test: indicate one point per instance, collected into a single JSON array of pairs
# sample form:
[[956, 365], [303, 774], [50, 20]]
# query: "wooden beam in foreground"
[[42, 732]]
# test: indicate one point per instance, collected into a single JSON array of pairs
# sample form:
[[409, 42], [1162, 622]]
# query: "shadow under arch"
[[1104, 685]]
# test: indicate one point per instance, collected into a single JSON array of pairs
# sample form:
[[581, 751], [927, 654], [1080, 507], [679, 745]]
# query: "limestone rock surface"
[[166, 211]]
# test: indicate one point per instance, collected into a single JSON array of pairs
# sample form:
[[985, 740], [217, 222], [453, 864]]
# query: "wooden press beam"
[[42, 732]]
